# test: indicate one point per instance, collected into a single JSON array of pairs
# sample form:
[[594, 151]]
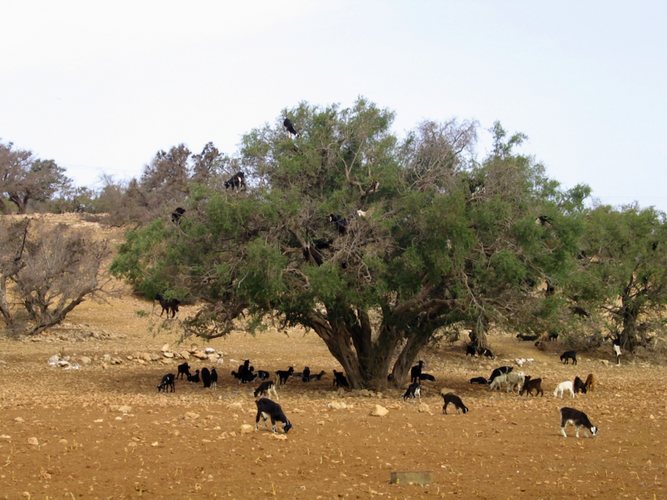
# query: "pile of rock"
[[165, 356]]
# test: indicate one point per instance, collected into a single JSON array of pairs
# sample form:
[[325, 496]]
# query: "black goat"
[[484, 351], [177, 214], [167, 383], [340, 222], [317, 376], [266, 388], [263, 374], [471, 350], [455, 400], [283, 375], [287, 123], [305, 375], [183, 369], [579, 386], [478, 380], [499, 371], [206, 377], [426, 376], [567, 356], [340, 380], [413, 391], [416, 371], [270, 409], [236, 181], [169, 305], [194, 378]]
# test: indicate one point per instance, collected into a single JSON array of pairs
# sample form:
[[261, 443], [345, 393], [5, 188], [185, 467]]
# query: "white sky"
[[101, 86]]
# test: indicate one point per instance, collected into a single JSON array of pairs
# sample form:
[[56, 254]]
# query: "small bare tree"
[[45, 272]]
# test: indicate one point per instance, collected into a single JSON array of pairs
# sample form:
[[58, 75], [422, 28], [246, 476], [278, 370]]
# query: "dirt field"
[[103, 431]]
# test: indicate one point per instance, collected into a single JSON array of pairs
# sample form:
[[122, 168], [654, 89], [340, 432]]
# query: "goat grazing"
[[169, 305], [567, 356], [206, 377], [530, 385], [413, 391], [567, 386], [269, 409], [579, 386], [266, 388], [340, 380], [194, 378], [416, 371], [283, 375], [236, 181], [452, 398], [577, 418], [167, 383], [499, 371], [183, 370], [590, 382]]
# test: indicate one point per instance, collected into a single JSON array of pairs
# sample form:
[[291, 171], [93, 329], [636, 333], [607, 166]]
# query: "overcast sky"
[[101, 86]]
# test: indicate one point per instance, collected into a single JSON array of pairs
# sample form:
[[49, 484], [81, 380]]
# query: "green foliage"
[[432, 238]]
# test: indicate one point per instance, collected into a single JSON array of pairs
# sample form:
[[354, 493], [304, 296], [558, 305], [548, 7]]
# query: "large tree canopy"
[[624, 271], [375, 244]]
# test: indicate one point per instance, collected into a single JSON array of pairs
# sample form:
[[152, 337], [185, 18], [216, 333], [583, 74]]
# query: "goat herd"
[[504, 376]]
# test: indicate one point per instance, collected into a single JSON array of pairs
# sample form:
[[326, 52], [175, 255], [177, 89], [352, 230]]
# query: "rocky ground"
[[103, 430]]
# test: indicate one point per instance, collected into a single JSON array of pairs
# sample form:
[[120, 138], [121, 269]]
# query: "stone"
[[165, 348], [33, 441], [168, 354], [85, 360], [338, 405], [246, 429], [379, 411]]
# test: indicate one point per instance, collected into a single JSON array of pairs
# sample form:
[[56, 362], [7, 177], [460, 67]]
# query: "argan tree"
[[373, 243], [624, 271], [45, 272], [24, 178]]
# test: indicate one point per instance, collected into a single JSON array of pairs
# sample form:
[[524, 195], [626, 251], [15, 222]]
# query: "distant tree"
[[47, 272], [375, 245], [24, 178], [624, 270]]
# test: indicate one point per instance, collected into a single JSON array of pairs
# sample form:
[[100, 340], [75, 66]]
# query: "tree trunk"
[[406, 358]]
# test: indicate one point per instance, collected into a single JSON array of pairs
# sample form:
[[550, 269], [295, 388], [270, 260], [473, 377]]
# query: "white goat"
[[567, 386]]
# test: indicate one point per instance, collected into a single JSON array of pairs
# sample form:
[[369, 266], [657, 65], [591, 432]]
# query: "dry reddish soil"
[[103, 431]]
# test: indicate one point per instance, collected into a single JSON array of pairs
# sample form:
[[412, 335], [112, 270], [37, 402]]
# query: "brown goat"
[[531, 385], [590, 382]]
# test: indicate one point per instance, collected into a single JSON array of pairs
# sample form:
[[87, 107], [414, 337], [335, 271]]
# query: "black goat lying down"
[[269, 409], [167, 383], [263, 374], [479, 380], [266, 388], [317, 376]]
